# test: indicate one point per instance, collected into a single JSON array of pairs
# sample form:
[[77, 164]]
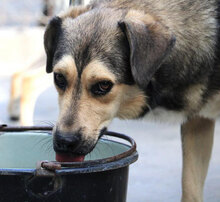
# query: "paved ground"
[[156, 176]]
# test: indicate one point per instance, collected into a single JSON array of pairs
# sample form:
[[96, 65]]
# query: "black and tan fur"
[[162, 58]]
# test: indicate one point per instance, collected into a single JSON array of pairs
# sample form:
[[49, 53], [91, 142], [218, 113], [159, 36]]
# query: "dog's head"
[[102, 62]]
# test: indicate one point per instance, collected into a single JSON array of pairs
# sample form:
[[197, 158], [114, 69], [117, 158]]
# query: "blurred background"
[[27, 97]]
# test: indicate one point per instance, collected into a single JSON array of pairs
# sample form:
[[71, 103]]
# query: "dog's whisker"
[[109, 146], [47, 147], [46, 122], [42, 140]]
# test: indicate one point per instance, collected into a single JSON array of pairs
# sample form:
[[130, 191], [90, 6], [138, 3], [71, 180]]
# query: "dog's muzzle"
[[66, 142], [73, 142]]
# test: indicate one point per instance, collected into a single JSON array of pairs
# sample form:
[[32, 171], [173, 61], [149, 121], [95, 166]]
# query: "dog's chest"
[[210, 110], [163, 115]]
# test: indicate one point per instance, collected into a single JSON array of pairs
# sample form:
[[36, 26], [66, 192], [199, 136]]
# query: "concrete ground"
[[156, 176]]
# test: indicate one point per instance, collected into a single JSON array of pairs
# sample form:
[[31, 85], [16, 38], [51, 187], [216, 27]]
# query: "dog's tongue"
[[69, 158]]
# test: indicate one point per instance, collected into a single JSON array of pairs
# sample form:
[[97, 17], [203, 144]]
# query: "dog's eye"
[[101, 88], [60, 81]]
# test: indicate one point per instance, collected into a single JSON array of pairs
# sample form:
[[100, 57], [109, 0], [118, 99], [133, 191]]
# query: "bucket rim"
[[47, 168]]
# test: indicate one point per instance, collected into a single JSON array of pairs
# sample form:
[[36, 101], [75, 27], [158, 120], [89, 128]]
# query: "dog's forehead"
[[93, 70], [93, 28], [87, 37], [92, 22], [94, 36]]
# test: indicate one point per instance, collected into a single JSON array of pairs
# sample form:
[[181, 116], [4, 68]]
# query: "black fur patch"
[[51, 39], [213, 86]]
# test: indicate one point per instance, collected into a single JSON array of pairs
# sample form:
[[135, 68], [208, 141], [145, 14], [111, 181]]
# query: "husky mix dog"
[[151, 59]]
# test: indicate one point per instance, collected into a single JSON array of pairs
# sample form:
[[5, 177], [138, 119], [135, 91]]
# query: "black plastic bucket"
[[102, 177]]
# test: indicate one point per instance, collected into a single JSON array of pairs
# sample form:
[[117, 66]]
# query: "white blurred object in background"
[[22, 53]]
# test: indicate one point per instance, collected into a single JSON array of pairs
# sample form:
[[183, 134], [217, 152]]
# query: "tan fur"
[[66, 109], [212, 108], [197, 141], [135, 15], [96, 71], [152, 23], [67, 67], [193, 98], [93, 113], [74, 11], [132, 101]]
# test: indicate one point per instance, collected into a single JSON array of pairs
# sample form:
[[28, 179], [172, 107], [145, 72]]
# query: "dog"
[[140, 59]]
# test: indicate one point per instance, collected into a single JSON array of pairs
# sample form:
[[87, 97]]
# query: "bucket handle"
[[54, 165], [46, 168]]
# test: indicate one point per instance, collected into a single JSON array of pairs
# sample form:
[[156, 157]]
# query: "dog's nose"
[[66, 142]]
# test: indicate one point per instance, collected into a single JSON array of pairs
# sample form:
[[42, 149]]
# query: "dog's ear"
[[51, 36], [149, 42]]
